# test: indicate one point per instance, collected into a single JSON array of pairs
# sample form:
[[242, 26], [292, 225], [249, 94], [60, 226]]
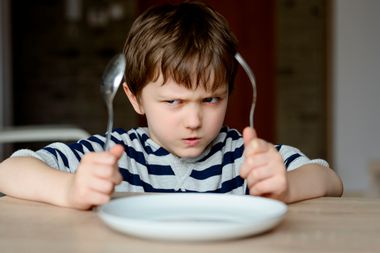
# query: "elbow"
[[340, 187], [335, 188]]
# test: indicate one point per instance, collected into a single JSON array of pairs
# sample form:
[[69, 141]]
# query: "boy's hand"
[[263, 168], [95, 179]]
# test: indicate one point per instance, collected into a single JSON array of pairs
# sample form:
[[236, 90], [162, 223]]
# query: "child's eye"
[[173, 101], [212, 100]]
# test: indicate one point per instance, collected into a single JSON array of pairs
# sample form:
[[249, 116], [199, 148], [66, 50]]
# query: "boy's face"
[[183, 121]]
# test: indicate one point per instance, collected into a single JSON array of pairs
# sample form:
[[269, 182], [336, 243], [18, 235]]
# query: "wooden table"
[[319, 225]]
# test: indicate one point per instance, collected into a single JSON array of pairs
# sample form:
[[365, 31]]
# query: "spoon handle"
[[251, 77], [109, 125]]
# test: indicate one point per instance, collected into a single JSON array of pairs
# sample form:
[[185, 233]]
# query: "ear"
[[133, 99]]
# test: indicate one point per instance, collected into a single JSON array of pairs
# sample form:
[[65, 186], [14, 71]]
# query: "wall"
[[301, 75], [59, 59], [5, 69], [356, 90], [2, 95]]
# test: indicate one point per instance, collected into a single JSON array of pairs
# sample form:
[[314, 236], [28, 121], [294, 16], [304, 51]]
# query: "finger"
[[108, 173], [99, 158], [117, 151], [269, 187], [86, 197], [110, 157], [259, 174], [97, 198], [258, 160], [248, 135], [101, 186], [117, 178], [254, 160], [252, 163], [105, 172], [256, 146], [252, 144], [244, 170], [261, 188]]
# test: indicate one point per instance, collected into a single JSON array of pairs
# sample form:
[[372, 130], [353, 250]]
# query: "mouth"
[[192, 141]]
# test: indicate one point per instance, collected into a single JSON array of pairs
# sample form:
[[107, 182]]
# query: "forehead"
[[192, 71], [172, 87]]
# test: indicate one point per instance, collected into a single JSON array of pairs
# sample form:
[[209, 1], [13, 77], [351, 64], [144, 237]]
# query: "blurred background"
[[316, 64]]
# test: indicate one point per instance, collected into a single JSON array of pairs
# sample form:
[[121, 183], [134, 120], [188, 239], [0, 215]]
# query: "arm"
[[311, 181], [92, 184], [30, 178], [265, 173]]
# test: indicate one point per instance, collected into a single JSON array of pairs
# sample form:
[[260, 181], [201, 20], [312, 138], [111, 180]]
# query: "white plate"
[[192, 216]]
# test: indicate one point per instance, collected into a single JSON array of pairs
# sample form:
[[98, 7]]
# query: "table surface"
[[318, 225]]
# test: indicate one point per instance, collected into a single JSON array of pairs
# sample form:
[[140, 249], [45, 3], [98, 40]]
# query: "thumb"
[[248, 135], [117, 151]]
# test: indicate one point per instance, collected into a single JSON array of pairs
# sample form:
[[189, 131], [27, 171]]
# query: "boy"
[[180, 71]]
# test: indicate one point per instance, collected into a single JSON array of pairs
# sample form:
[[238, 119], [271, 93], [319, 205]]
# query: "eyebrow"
[[219, 91]]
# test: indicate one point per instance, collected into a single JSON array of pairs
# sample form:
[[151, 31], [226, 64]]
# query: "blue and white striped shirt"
[[147, 167]]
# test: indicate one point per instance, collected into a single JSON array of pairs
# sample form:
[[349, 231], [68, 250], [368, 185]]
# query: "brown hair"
[[188, 42]]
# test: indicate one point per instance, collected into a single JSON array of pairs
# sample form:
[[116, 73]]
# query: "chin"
[[190, 154]]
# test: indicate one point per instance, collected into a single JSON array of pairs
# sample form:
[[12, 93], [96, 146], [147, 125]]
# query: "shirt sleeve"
[[294, 158], [57, 155], [66, 157]]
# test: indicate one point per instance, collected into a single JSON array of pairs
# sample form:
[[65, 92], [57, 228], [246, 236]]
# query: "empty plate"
[[192, 216]]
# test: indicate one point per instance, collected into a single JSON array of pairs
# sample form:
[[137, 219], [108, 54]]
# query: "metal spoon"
[[112, 77], [251, 77]]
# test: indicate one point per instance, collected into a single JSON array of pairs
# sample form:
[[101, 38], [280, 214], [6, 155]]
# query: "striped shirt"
[[147, 167]]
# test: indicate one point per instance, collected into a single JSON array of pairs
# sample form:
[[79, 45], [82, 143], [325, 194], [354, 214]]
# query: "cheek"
[[218, 120], [157, 114], [220, 114], [215, 119], [160, 121]]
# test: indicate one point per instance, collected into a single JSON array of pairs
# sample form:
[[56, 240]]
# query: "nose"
[[193, 117]]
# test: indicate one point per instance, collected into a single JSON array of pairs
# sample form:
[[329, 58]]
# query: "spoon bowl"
[[112, 77]]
